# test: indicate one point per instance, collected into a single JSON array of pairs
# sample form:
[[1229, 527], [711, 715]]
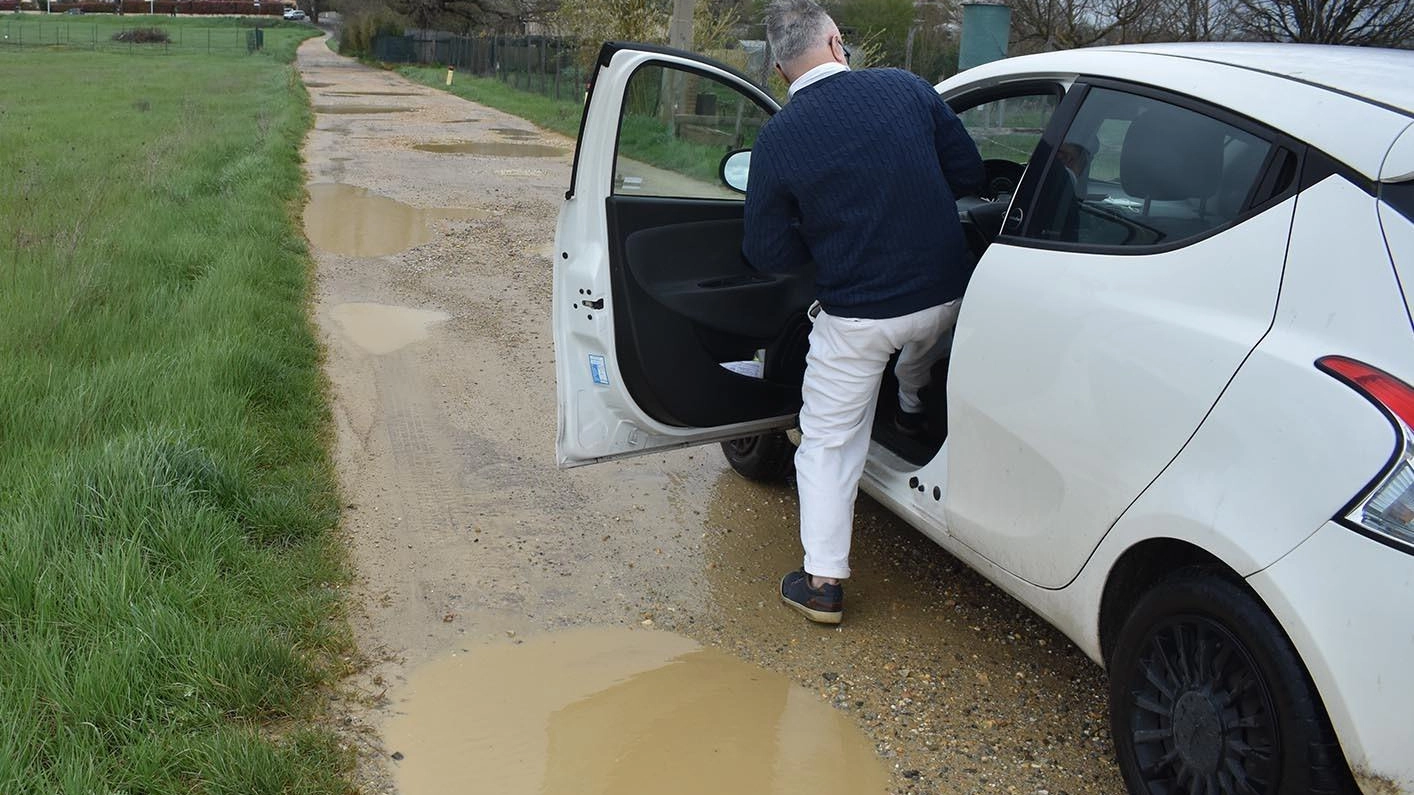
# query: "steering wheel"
[[1002, 178]]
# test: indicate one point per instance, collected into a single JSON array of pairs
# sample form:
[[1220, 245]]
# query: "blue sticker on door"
[[597, 370]]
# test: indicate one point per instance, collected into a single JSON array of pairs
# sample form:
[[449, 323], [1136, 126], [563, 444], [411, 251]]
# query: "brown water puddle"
[[360, 109], [514, 132], [381, 329], [344, 219], [494, 149], [620, 712], [370, 93]]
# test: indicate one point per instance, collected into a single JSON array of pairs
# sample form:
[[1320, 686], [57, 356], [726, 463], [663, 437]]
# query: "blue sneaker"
[[823, 605]]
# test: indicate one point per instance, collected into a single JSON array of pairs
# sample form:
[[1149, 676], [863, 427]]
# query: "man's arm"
[[772, 240], [962, 165]]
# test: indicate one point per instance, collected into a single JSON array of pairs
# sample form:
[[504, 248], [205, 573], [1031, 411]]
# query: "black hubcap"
[[1201, 717]]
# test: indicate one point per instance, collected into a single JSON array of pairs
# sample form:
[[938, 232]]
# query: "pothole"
[[343, 219], [370, 94], [629, 712], [494, 149], [514, 132], [381, 329], [360, 109]]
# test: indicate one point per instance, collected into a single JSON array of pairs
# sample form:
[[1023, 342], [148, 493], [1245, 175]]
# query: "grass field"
[[560, 115], [168, 577], [192, 35], [643, 137]]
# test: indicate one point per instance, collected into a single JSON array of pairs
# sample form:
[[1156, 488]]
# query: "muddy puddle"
[[494, 149], [360, 109], [370, 94], [514, 132], [621, 712], [462, 121], [381, 329], [347, 220]]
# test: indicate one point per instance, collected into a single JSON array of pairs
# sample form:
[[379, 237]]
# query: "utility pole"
[[674, 85], [680, 29]]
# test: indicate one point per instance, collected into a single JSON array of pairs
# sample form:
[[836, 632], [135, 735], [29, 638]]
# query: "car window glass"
[[1009, 128], [674, 130], [1136, 171]]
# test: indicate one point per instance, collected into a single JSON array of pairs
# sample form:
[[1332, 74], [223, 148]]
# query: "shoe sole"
[[818, 616]]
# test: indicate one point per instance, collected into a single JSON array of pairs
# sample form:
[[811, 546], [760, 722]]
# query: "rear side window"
[[1400, 196], [1138, 171]]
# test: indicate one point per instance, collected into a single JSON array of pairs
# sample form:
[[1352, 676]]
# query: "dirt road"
[[433, 298]]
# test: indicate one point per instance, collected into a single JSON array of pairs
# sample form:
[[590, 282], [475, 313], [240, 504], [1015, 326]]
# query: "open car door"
[[664, 335]]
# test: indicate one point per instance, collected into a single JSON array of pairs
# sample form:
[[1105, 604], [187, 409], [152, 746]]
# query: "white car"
[[1177, 409], [294, 13]]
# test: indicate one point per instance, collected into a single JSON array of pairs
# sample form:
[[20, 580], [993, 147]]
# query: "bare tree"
[[463, 15], [1039, 25], [1375, 23]]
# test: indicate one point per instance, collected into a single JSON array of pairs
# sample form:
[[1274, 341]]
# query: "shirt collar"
[[815, 75]]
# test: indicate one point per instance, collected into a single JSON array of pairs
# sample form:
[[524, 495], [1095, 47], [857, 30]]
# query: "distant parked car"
[[294, 13]]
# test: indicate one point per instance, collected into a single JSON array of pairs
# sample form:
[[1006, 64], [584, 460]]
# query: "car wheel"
[[767, 458], [1207, 695]]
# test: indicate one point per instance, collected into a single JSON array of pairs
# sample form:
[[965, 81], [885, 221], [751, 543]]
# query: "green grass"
[[560, 115], [193, 35], [168, 576], [643, 137]]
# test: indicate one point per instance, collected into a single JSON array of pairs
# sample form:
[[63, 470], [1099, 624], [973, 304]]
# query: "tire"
[[1207, 695], [768, 458]]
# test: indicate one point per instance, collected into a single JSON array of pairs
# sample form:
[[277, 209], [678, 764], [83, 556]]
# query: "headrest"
[[1170, 154]]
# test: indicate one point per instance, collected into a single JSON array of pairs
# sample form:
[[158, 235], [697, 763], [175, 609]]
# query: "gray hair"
[[794, 27]]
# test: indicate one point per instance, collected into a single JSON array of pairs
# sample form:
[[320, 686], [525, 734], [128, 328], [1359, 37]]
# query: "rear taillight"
[[1387, 509]]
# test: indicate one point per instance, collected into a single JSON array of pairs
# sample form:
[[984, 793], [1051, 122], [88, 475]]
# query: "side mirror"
[[734, 169]]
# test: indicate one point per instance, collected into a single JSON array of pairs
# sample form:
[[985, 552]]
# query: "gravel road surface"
[[433, 299]]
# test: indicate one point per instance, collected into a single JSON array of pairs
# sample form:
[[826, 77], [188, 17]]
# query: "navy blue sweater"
[[859, 172]]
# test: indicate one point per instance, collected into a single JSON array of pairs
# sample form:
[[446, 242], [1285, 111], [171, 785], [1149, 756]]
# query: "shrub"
[[143, 36], [364, 25]]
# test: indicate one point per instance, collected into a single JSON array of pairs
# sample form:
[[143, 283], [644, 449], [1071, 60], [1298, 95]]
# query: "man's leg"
[[920, 347], [842, 373]]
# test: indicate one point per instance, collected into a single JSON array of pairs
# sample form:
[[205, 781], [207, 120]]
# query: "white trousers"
[[842, 375]]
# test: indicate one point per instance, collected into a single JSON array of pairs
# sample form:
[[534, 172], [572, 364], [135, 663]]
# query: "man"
[[858, 173]]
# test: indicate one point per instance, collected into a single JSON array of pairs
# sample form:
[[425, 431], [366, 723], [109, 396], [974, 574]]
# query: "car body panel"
[[1399, 229], [1359, 71], [599, 419], [1399, 161], [1399, 236], [1076, 377], [1340, 289], [1349, 129], [1344, 600]]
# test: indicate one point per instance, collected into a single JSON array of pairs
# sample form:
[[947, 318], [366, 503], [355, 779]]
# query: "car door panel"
[[658, 319], [1078, 373], [696, 270]]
